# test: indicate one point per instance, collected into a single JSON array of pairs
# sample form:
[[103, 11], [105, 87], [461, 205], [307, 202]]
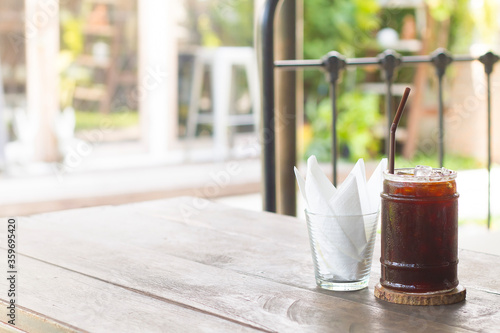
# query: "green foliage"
[[453, 162], [227, 22], [441, 10], [71, 33], [485, 19], [92, 120], [357, 116], [461, 22], [208, 36], [71, 47], [359, 113], [345, 26], [320, 119]]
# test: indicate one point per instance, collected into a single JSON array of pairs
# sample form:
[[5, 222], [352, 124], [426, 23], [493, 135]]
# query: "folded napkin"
[[342, 241]]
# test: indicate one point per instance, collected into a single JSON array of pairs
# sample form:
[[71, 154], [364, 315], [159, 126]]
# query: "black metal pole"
[[266, 62], [489, 59], [335, 145], [441, 122], [488, 78], [367, 61], [388, 61], [388, 112], [334, 62], [441, 59]]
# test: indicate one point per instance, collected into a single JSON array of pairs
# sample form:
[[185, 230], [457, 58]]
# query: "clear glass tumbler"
[[342, 249]]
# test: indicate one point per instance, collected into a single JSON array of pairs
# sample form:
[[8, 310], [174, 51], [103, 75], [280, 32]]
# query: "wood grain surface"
[[186, 264]]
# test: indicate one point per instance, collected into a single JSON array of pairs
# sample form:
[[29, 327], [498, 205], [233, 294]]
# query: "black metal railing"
[[333, 63]]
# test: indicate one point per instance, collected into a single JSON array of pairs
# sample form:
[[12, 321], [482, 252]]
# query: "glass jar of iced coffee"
[[419, 230]]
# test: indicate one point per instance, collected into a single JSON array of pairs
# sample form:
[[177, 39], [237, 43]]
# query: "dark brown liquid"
[[419, 236]]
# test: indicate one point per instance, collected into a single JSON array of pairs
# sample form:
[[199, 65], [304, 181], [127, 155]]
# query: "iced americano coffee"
[[419, 230]]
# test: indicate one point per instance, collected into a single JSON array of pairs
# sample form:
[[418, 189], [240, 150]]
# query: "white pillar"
[[42, 50], [158, 74]]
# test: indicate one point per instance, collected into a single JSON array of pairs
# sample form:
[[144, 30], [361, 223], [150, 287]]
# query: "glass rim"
[[308, 212], [407, 177]]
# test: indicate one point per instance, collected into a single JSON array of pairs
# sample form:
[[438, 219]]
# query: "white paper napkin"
[[342, 241]]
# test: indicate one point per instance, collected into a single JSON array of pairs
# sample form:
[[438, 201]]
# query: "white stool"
[[221, 62]]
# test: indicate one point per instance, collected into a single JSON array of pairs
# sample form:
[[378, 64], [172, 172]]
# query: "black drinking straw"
[[394, 126]]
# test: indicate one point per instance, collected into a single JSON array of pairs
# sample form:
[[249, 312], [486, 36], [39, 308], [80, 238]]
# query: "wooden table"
[[187, 264]]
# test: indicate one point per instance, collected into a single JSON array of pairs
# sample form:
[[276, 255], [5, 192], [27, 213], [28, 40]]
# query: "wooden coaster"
[[399, 297]]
